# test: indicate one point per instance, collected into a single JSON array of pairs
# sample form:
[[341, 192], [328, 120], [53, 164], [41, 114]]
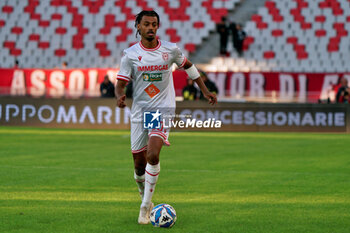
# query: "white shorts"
[[140, 135]]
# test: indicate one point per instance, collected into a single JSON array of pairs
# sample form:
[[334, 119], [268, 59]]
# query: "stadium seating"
[[296, 35], [93, 33]]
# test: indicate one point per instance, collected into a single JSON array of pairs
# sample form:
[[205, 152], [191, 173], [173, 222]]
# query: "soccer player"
[[148, 64]]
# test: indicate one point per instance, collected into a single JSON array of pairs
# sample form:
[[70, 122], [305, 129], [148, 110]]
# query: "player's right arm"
[[123, 77], [120, 93]]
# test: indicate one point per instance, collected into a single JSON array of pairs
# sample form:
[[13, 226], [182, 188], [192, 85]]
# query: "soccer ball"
[[163, 215]]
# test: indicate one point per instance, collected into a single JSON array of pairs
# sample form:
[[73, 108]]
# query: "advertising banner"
[[271, 87], [100, 113]]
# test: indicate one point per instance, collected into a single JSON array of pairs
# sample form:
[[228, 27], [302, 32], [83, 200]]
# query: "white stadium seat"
[[85, 25], [315, 36], [69, 30]]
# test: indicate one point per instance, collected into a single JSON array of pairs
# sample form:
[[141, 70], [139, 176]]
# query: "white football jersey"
[[151, 73]]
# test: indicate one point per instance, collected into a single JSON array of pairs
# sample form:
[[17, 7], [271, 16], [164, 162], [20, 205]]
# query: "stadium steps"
[[243, 13], [210, 47]]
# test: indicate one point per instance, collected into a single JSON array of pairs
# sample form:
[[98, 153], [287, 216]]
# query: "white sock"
[[140, 181], [151, 177]]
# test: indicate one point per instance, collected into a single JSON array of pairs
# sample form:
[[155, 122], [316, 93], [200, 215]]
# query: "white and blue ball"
[[163, 215]]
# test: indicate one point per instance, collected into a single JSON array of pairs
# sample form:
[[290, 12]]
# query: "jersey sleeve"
[[179, 57], [125, 69]]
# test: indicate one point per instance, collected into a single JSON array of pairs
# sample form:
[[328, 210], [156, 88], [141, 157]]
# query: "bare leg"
[[139, 174], [140, 162], [153, 149]]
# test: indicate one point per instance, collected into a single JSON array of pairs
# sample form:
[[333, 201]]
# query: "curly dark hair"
[[144, 13]]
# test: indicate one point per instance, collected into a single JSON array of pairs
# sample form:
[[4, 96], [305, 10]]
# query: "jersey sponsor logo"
[[153, 68], [165, 56], [139, 57], [152, 90], [152, 77]]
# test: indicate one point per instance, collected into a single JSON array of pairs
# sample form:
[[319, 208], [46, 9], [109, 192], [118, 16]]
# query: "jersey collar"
[[152, 49]]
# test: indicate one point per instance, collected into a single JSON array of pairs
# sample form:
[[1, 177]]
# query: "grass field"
[[67, 181]]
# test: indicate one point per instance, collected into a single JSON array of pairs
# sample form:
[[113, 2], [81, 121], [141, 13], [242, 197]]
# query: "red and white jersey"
[[151, 73]]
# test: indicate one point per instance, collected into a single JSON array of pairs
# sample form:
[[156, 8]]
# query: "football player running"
[[148, 65]]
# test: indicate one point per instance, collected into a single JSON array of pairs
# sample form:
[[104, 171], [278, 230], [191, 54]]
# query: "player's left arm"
[[193, 73]]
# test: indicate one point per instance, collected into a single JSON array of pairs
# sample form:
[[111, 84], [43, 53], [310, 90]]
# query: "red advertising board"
[[274, 86]]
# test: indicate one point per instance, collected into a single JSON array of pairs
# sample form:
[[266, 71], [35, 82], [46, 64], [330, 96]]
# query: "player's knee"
[[152, 157]]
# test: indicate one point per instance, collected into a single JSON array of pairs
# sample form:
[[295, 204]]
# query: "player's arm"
[[193, 73], [120, 93], [123, 78]]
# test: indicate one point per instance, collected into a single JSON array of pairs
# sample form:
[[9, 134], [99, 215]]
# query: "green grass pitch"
[[67, 181]]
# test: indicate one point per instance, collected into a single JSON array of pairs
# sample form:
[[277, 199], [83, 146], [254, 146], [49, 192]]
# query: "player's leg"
[[156, 139], [138, 149], [139, 173], [139, 139], [152, 168]]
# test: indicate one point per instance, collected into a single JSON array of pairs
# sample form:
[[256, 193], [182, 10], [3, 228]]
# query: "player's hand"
[[121, 101], [211, 97]]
